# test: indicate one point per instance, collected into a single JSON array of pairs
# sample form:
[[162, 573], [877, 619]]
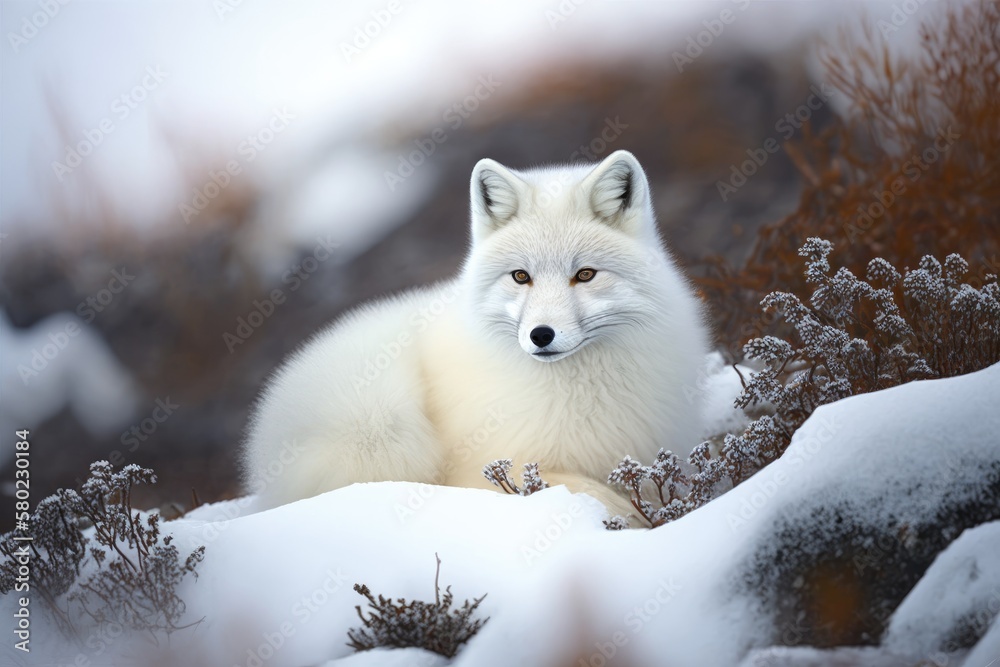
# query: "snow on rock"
[[955, 602], [804, 656], [986, 653], [678, 595], [871, 490], [404, 657]]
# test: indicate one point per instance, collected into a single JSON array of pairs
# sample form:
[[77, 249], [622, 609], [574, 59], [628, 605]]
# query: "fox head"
[[564, 257]]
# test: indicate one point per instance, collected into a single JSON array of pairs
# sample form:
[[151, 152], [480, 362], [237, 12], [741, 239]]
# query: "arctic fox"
[[569, 338]]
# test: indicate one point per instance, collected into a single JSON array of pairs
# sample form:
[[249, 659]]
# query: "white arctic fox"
[[569, 338]]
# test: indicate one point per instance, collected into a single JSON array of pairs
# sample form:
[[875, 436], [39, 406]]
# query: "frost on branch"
[[57, 551], [135, 571], [433, 626], [616, 523], [851, 336], [674, 492], [498, 473]]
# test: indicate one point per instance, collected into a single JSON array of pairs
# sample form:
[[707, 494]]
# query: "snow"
[[486, 542], [805, 656], [961, 588], [987, 652], [407, 657], [560, 588]]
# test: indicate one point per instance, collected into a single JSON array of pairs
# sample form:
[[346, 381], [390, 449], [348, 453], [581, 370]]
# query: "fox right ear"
[[496, 194]]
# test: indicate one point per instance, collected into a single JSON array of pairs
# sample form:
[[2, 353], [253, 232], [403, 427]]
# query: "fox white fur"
[[431, 385]]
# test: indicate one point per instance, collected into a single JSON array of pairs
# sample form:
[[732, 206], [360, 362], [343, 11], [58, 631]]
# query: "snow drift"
[[875, 483]]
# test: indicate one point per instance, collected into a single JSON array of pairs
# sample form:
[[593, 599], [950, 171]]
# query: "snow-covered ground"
[[962, 586], [276, 586]]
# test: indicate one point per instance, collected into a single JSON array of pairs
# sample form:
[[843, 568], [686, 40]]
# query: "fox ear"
[[618, 190], [496, 195]]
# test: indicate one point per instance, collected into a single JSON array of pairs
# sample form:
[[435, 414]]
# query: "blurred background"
[[188, 190]]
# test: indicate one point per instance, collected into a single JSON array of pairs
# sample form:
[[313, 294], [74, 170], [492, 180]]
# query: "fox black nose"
[[542, 336]]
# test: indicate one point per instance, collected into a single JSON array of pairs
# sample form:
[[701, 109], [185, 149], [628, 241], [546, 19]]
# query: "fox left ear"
[[496, 194], [618, 191]]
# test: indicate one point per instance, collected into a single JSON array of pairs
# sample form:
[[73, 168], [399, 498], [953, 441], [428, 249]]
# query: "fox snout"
[[550, 342], [542, 336]]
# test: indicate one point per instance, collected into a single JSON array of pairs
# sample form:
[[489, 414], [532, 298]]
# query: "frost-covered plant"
[[433, 626], [498, 472], [856, 336], [675, 492], [852, 336], [616, 523], [56, 551], [135, 572]]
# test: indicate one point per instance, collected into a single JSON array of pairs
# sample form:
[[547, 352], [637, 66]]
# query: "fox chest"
[[582, 417]]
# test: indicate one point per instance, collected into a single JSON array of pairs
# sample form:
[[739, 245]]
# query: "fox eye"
[[585, 275], [520, 276]]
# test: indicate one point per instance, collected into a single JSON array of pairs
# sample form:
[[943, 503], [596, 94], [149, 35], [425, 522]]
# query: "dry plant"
[[911, 169], [123, 572], [498, 473], [433, 626], [851, 336]]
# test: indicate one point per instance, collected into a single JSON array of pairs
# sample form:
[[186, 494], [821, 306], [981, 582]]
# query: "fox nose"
[[542, 336]]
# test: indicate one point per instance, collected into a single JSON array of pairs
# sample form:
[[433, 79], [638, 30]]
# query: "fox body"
[[569, 338]]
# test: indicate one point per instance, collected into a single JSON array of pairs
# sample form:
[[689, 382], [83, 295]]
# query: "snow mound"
[[957, 599], [403, 657], [275, 587]]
